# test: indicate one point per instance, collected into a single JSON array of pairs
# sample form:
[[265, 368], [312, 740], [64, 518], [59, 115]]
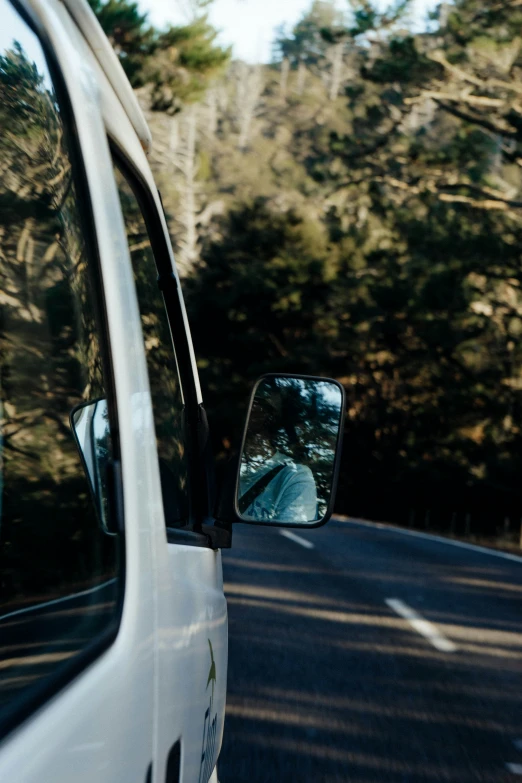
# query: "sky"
[[248, 24], [13, 28]]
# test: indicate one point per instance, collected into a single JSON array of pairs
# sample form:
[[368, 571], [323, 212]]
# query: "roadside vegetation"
[[354, 209]]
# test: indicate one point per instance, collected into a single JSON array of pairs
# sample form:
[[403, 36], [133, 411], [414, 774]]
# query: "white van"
[[113, 621]]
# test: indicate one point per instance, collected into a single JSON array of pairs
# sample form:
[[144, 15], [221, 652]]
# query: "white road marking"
[[515, 769], [518, 744], [422, 626], [297, 539], [441, 539]]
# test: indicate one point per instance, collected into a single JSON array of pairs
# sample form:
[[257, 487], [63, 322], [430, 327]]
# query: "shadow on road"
[[326, 683]]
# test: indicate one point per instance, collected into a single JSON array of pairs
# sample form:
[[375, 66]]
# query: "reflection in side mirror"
[[90, 424], [291, 447]]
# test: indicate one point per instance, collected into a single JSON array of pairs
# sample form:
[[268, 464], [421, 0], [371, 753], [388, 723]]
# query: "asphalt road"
[[329, 682]]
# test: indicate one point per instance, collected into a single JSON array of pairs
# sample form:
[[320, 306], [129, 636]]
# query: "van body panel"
[[100, 727], [191, 604], [193, 645], [163, 680]]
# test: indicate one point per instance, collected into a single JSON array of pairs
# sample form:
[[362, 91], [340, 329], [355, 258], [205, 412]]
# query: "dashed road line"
[[515, 769], [297, 539], [422, 626]]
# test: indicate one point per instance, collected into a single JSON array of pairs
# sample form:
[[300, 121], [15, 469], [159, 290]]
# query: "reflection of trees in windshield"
[[51, 543], [300, 419], [50, 358]]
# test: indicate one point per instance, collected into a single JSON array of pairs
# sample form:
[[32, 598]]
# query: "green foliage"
[[185, 60], [406, 283], [402, 62], [368, 17], [176, 64], [263, 285], [310, 37], [373, 236]]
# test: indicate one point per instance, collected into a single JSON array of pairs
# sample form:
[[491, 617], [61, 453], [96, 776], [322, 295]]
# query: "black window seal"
[[51, 685]]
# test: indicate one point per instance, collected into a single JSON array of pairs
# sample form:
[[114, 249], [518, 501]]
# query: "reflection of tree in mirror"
[[298, 418]]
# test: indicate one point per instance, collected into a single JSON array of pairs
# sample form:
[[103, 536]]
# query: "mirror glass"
[[288, 459], [90, 424]]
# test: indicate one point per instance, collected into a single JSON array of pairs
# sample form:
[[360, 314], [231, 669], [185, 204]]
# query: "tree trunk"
[[189, 245], [336, 74], [301, 76], [173, 135], [249, 87], [212, 103], [283, 82]]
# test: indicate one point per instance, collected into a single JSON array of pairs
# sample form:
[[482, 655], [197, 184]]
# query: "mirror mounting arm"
[[220, 536]]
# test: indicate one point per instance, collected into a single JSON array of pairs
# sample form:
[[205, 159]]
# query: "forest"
[[353, 209]]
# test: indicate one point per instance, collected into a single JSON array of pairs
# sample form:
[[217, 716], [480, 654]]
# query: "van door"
[[78, 601], [192, 616]]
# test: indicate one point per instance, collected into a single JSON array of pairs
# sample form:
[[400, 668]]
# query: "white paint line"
[[515, 769], [297, 539], [441, 539], [518, 744], [422, 626]]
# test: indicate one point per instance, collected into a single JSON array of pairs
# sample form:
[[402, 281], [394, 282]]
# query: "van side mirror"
[[90, 425], [289, 459]]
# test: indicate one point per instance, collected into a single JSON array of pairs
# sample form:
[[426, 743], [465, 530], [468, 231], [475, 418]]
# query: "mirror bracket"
[[220, 536]]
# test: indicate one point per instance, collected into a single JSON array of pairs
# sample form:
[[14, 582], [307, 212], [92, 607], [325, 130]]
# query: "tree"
[[176, 64], [371, 233], [307, 46], [306, 43], [129, 32], [185, 159], [432, 287], [186, 59], [263, 285], [249, 87]]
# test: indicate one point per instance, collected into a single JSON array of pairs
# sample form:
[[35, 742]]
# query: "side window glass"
[[165, 388], [60, 569]]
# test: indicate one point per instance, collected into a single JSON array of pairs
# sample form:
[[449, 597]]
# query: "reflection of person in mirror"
[[273, 487]]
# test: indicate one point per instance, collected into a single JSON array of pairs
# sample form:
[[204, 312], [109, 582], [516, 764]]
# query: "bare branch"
[[477, 120], [438, 57], [474, 100]]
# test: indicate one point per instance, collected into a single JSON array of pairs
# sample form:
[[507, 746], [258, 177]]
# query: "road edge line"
[[432, 537]]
